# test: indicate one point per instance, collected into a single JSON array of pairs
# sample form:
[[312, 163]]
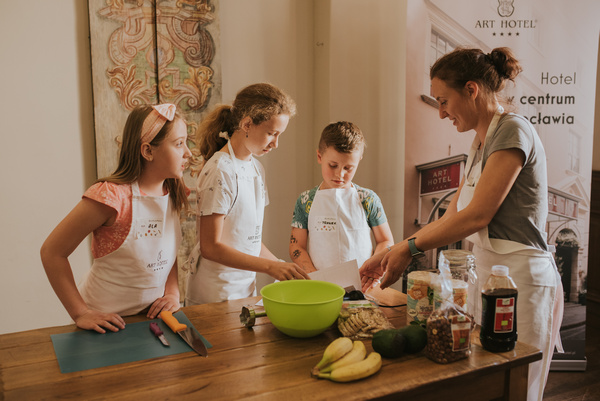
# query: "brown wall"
[[593, 293]]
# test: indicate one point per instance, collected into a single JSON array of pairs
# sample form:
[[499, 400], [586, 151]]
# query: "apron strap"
[[237, 186]]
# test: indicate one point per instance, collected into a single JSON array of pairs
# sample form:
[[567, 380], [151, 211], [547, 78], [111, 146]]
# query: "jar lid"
[[454, 258], [499, 270]]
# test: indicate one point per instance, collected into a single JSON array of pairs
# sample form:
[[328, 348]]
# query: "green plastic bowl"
[[302, 308]]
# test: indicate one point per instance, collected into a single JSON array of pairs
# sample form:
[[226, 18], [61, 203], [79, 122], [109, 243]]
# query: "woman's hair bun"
[[505, 63]]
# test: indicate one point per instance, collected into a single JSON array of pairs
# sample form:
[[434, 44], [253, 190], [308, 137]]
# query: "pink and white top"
[[106, 239]]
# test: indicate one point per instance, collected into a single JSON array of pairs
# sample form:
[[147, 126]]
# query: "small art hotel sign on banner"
[[561, 204], [440, 176]]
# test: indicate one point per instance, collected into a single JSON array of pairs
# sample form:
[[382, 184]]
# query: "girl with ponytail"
[[232, 194]]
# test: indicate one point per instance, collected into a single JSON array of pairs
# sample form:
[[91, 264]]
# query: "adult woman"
[[501, 205], [232, 195]]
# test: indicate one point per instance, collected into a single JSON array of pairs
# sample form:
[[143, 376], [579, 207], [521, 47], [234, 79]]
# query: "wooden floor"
[[580, 386]]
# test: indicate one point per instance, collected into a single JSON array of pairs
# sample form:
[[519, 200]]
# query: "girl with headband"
[[134, 217], [232, 196]]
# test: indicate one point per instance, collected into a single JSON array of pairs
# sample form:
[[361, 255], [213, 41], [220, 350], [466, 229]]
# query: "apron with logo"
[[539, 304], [337, 228], [132, 277], [242, 230]]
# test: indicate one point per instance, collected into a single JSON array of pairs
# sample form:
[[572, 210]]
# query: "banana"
[[357, 354], [358, 370], [334, 351]]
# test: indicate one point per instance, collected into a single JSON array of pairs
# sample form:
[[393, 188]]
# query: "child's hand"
[[169, 302], [287, 271], [98, 321]]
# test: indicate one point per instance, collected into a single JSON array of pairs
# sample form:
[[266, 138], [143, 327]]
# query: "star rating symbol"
[[508, 34]]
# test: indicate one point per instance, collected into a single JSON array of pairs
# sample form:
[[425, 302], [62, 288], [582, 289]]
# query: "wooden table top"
[[251, 364]]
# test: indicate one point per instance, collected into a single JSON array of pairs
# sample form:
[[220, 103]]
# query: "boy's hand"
[[98, 321], [169, 302]]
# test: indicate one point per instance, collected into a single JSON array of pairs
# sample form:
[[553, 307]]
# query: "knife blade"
[[158, 333], [188, 334]]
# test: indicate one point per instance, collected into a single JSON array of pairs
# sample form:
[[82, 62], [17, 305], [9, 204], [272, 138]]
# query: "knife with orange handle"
[[188, 334]]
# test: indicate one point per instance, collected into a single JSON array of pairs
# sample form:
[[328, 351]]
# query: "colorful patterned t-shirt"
[[371, 203]]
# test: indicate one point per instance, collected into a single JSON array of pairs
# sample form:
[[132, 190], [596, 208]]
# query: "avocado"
[[390, 343], [416, 338]]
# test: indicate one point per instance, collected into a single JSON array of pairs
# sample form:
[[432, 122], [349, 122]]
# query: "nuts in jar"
[[449, 335]]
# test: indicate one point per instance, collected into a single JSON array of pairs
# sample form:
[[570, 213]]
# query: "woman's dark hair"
[[490, 71]]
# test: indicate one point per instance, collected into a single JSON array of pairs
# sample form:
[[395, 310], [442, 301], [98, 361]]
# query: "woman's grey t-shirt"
[[522, 216]]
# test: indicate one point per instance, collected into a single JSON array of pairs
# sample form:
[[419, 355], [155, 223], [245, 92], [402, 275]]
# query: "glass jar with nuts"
[[449, 335]]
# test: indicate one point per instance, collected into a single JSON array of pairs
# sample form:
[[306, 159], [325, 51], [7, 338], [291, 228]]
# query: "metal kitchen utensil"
[[249, 315], [188, 334], [158, 333]]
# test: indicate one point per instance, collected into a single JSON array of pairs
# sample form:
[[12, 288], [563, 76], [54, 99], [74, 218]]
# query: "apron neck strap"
[[477, 142], [135, 188], [350, 187], [491, 127], [494, 122]]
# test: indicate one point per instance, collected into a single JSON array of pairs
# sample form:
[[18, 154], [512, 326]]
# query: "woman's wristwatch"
[[414, 251]]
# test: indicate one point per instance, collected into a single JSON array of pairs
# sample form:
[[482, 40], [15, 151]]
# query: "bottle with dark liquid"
[[499, 311]]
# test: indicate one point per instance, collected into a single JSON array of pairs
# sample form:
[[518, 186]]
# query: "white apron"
[[539, 302], [242, 230], [338, 229], [132, 277]]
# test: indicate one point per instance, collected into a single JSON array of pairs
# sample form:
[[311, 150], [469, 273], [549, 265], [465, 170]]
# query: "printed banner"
[[557, 44]]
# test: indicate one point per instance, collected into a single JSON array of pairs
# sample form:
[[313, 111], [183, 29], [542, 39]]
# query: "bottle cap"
[[499, 270]]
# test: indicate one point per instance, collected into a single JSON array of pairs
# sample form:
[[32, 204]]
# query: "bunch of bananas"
[[345, 360]]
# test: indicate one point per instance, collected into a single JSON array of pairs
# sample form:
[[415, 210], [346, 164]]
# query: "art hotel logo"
[[506, 25], [505, 8]]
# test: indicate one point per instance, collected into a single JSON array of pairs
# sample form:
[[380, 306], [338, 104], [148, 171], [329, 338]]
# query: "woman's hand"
[[371, 271], [287, 271], [98, 321], [169, 302], [394, 263], [386, 266]]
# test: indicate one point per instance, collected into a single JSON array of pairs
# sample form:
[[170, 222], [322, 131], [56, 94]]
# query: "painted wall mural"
[[150, 52], [148, 41]]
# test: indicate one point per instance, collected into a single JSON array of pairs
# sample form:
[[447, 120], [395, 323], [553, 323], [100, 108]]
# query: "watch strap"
[[414, 251]]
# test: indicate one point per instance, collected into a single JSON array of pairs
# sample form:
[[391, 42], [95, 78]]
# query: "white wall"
[[276, 47], [339, 64], [365, 70], [47, 153], [367, 87]]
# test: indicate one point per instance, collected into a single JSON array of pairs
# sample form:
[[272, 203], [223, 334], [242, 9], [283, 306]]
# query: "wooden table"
[[255, 364]]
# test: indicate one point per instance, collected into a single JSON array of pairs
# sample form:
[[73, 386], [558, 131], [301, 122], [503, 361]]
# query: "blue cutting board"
[[86, 349]]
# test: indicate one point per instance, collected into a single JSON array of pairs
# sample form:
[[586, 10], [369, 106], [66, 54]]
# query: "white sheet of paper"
[[345, 275]]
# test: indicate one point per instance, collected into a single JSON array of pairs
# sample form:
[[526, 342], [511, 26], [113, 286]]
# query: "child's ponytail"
[[260, 102], [208, 135]]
